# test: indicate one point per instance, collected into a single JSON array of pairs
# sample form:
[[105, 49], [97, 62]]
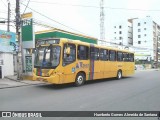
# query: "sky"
[[82, 16]]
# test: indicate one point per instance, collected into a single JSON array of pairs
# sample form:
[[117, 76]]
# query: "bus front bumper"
[[52, 79]]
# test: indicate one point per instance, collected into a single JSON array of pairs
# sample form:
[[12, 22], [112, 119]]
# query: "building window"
[[120, 32], [120, 38], [120, 27], [114, 26], [144, 22], [145, 35], [114, 32], [144, 28], [139, 36], [139, 30], [139, 24], [139, 42]]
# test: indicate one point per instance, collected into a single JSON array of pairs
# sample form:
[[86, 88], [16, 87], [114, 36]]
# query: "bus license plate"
[[40, 79]]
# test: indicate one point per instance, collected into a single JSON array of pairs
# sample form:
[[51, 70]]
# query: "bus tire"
[[119, 74], [80, 79]]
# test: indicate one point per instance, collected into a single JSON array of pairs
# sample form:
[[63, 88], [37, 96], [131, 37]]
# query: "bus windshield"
[[47, 56]]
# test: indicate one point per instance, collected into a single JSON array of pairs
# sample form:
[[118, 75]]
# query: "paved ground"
[[140, 92], [11, 81]]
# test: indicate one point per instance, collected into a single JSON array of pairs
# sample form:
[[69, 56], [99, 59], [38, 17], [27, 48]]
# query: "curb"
[[20, 81], [13, 86], [12, 79], [20, 86]]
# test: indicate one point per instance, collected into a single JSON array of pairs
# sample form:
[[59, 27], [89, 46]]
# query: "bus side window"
[[94, 53], [83, 52], [131, 57], [125, 57], [67, 59], [112, 55], [119, 56], [103, 55]]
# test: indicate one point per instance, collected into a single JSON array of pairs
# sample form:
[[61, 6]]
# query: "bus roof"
[[87, 44], [105, 47]]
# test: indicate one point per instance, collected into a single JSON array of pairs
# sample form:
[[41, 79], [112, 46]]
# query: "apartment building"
[[142, 35], [146, 34], [122, 34]]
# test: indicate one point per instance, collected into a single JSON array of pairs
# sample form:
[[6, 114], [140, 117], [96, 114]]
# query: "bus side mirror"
[[68, 51]]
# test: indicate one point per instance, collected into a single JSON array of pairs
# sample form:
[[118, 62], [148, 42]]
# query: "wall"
[[7, 67]]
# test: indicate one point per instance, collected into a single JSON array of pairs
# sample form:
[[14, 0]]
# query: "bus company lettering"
[[81, 65]]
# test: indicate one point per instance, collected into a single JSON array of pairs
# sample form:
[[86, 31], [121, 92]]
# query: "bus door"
[[113, 63], [125, 65], [69, 58], [95, 64], [120, 63], [104, 62]]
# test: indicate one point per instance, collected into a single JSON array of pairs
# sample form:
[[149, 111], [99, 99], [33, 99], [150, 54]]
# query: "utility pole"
[[102, 26], [8, 25], [18, 24], [8, 17]]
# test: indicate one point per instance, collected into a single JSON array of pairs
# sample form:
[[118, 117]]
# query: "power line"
[[107, 7], [65, 4], [53, 20], [114, 43], [48, 26], [37, 22], [41, 23], [4, 3], [26, 6], [4, 12], [7, 7]]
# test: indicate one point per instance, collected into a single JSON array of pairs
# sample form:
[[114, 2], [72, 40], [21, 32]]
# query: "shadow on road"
[[71, 85], [105, 80]]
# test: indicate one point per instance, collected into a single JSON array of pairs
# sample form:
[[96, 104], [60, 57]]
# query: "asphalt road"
[[140, 92]]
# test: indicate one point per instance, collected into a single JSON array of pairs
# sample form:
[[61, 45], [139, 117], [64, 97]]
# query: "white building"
[[145, 34], [140, 33], [122, 34]]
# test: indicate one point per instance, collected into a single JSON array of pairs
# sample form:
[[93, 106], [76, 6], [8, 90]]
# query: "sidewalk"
[[11, 81]]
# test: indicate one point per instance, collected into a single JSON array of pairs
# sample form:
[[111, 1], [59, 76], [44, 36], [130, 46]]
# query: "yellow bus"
[[60, 60]]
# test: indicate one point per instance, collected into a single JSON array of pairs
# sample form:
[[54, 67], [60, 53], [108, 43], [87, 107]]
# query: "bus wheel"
[[119, 74], [80, 79]]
